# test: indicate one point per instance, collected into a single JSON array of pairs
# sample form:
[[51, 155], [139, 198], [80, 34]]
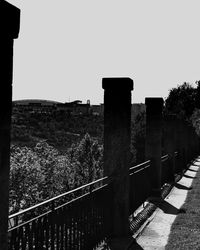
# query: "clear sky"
[[65, 47]]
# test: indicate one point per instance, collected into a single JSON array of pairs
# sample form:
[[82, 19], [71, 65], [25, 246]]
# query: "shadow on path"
[[180, 186], [192, 170], [188, 176], [195, 165], [135, 246], [167, 208]]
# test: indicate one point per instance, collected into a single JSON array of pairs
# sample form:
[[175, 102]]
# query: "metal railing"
[[81, 223], [140, 185], [165, 169], [81, 218]]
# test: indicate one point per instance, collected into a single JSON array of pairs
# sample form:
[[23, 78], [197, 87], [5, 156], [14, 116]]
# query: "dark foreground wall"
[[9, 21]]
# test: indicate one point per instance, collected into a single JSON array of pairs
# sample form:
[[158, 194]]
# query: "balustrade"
[[83, 218]]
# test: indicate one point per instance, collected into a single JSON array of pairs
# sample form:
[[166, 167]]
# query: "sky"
[[66, 47]]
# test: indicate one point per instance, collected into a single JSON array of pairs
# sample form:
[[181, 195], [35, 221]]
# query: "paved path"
[[156, 233]]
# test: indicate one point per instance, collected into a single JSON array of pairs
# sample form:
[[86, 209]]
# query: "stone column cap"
[[154, 105], [117, 83], [154, 101], [9, 20]]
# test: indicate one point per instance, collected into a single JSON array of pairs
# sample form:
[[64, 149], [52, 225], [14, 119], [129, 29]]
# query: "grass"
[[185, 230]]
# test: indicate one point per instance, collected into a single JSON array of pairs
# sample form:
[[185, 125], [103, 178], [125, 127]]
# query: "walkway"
[[156, 233]]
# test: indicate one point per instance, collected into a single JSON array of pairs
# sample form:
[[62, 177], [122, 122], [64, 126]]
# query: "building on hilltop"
[[45, 106], [33, 105], [75, 107]]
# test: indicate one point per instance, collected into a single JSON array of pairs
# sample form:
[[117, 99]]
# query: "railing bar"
[[137, 171], [47, 232], [82, 242], [70, 230], [62, 232], [30, 237], [141, 164], [40, 233], [164, 160], [57, 230], [82, 196], [52, 230], [33, 219], [46, 213], [164, 156], [86, 194], [75, 199], [55, 198]]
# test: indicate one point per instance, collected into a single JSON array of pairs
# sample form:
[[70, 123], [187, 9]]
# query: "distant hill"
[[59, 129], [29, 101]]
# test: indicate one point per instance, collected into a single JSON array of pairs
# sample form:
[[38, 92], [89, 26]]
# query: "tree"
[[181, 101], [138, 133], [197, 99], [87, 160], [42, 172], [195, 119], [25, 178], [48, 159]]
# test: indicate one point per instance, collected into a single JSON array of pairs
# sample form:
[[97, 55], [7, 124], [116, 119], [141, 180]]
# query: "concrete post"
[[117, 138], [9, 19], [153, 150], [170, 143]]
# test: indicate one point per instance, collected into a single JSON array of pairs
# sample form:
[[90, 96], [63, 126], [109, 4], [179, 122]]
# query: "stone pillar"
[[117, 139], [153, 147], [170, 143], [9, 19]]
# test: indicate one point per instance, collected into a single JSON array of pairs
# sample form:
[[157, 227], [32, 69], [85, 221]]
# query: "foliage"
[[59, 129], [195, 119], [197, 99], [138, 130], [42, 172], [184, 101], [181, 101], [25, 178], [87, 160]]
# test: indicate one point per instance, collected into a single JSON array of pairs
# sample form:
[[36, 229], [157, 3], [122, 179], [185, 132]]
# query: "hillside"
[[58, 129]]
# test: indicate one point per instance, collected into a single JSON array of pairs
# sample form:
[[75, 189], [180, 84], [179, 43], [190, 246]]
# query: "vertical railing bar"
[[52, 226]]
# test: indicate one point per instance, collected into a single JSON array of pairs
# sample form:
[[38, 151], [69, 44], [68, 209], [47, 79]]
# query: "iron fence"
[[81, 223], [82, 218], [165, 169], [140, 185]]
